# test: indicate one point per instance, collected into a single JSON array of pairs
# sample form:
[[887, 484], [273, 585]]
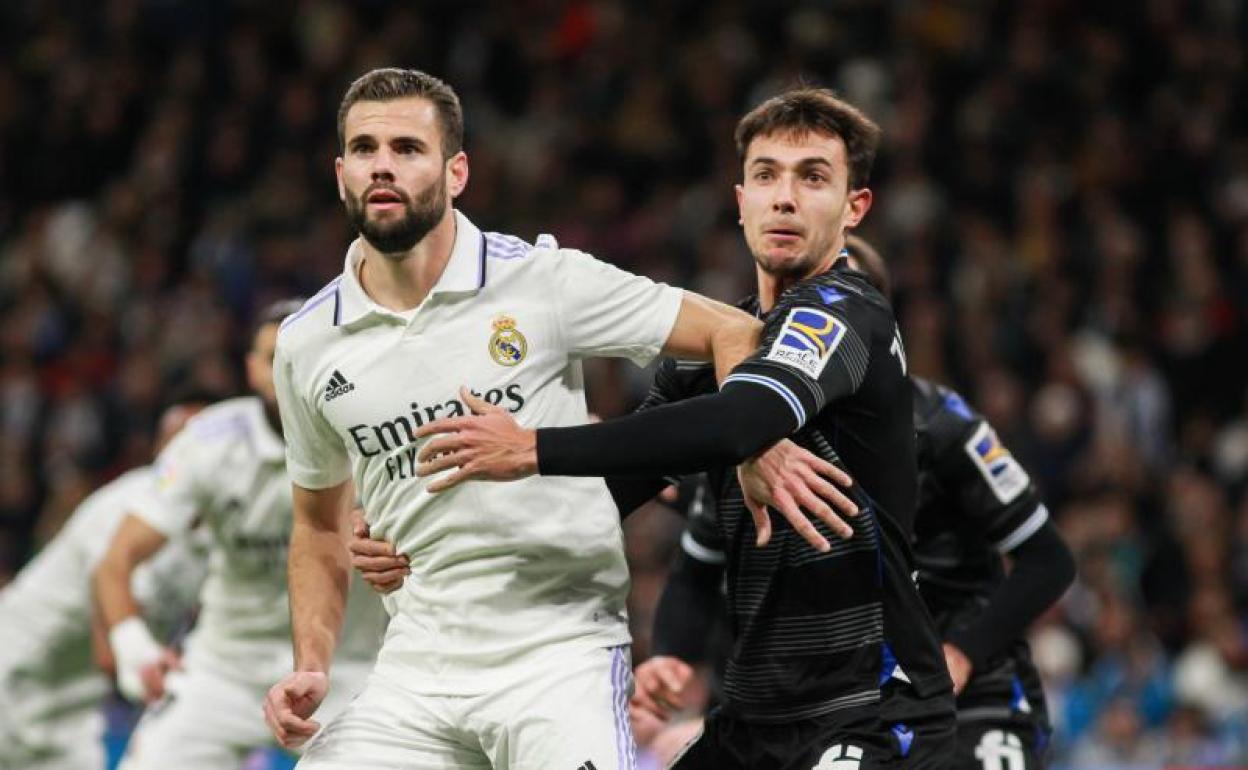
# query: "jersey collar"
[[464, 273]]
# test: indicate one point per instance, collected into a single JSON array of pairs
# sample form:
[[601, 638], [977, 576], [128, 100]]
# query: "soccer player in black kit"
[[836, 661], [975, 504]]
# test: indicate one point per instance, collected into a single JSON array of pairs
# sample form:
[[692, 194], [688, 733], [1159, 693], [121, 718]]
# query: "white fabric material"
[[499, 570], [566, 711], [133, 648], [46, 667], [211, 720], [225, 469]]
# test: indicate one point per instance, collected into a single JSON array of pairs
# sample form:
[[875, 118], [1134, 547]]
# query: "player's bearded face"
[[391, 234]]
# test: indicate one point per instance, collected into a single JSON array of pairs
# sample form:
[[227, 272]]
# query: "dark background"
[[1062, 194]]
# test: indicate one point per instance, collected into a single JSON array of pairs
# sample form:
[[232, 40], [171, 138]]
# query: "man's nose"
[[784, 201], [383, 165]]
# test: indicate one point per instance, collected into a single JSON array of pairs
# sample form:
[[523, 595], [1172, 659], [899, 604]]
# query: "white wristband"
[[133, 648]]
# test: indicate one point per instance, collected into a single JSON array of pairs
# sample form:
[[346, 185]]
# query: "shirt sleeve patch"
[[807, 340], [1004, 475]]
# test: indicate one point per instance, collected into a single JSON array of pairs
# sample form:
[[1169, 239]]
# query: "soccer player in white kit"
[[226, 470], [508, 647], [51, 690]]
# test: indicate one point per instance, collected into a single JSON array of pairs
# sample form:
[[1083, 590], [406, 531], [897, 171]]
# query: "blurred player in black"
[[836, 662], [976, 504]]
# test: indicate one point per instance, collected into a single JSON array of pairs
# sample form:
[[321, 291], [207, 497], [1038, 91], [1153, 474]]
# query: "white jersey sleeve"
[[315, 455], [172, 500], [606, 311]]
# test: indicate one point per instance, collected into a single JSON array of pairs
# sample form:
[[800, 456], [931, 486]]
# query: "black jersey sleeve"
[[994, 496], [691, 597], [674, 381], [813, 352], [990, 487], [1043, 568], [816, 348]]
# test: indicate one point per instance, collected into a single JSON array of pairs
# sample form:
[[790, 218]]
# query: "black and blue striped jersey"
[[818, 632]]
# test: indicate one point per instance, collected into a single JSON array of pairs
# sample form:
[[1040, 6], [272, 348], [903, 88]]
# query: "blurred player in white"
[[508, 648], [51, 688], [226, 471]]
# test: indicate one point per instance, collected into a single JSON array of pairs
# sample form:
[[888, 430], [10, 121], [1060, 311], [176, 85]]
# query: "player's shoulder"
[[107, 503], [504, 251], [314, 319], [838, 286], [940, 410], [223, 423], [833, 299]]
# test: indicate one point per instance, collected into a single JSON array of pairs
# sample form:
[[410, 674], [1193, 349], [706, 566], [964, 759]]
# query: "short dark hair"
[[870, 263], [273, 313], [390, 83], [820, 111]]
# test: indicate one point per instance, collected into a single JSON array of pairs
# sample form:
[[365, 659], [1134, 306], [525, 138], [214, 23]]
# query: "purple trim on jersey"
[[337, 306], [481, 273], [507, 246], [215, 426], [331, 289]]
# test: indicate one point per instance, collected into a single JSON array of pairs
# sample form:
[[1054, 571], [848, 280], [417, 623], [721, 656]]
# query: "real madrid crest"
[[507, 345]]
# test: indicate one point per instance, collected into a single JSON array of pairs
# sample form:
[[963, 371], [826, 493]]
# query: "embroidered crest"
[[507, 345]]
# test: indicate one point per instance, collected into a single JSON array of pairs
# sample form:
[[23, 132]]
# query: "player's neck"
[[771, 286], [403, 283]]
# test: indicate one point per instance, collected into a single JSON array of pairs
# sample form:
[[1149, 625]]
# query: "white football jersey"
[[500, 571], [45, 613], [225, 472]]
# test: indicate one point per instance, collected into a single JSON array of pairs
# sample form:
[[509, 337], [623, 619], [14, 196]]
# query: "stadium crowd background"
[[1062, 194]]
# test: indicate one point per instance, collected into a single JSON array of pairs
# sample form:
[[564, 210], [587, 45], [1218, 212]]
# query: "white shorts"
[[72, 742], [210, 719], [38, 732], [570, 713]]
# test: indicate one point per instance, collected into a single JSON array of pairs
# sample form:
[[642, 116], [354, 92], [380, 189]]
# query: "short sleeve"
[[316, 457], [176, 493], [812, 353], [608, 312], [991, 488]]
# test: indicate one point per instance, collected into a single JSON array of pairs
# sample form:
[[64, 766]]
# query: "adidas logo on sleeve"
[[338, 386]]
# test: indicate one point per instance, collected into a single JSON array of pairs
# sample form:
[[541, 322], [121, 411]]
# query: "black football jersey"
[[976, 502], [815, 633]]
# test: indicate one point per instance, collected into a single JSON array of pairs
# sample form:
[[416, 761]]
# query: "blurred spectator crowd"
[[1062, 194]]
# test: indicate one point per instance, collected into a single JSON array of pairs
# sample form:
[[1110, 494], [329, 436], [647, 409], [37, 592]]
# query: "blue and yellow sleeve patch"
[[807, 340]]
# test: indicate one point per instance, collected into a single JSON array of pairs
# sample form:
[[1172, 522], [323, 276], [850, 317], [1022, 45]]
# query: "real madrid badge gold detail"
[[507, 345]]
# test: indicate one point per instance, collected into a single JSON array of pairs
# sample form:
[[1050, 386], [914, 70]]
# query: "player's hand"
[[141, 661], [153, 674], [789, 478], [488, 445], [375, 560], [660, 686], [289, 705], [960, 667]]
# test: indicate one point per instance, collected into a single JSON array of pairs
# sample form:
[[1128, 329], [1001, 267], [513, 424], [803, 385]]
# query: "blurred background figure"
[[1063, 198]]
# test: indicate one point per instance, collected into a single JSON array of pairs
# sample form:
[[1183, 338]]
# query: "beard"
[[398, 237]]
